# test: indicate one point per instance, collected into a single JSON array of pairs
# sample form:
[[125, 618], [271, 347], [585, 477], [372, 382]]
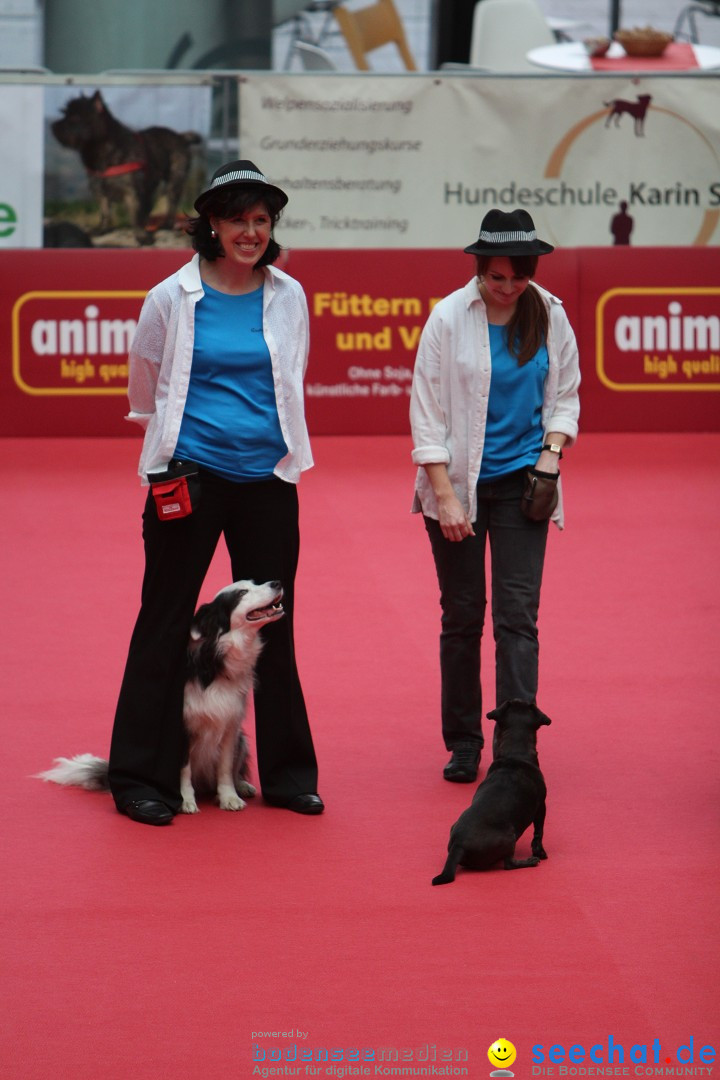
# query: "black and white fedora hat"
[[236, 173], [508, 233]]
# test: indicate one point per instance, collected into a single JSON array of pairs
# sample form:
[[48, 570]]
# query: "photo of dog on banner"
[[115, 184]]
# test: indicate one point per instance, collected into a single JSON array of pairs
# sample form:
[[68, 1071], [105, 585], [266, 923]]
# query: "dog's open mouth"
[[272, 611]]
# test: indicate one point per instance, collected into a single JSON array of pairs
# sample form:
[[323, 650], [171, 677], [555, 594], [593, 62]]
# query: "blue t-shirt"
[[514, 432], [230, 424]]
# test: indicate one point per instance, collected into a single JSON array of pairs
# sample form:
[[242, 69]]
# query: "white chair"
[[313, 58], [504, 31], [299, 12]]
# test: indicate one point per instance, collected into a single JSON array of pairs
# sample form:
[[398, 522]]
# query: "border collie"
[[222, 652]]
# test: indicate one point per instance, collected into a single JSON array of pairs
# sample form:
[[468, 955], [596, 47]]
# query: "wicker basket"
[[643, 42]]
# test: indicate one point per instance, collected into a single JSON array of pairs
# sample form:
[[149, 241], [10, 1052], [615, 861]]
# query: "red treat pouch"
[[176, 490]]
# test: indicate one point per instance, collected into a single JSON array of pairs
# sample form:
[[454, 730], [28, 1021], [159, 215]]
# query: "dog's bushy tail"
[[83, 770], [451, 864]]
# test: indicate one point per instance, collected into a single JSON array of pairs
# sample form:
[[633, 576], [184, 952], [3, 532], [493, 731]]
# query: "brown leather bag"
[[540, 495]]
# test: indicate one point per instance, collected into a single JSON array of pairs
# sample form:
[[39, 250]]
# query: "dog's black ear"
[[528, 706], [497, 714], [212, 620], [206, 622], [541, 718], [203, 657]]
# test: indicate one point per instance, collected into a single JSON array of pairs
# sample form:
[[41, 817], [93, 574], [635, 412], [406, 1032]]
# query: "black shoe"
[[462, 768], [149, 812], [306, 804]]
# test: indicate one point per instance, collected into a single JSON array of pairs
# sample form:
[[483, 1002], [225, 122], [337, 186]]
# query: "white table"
[[572, 56]]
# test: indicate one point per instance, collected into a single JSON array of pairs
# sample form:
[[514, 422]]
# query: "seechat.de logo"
[[614, 1053]]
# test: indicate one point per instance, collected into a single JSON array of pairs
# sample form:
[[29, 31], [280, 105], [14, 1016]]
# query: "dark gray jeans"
[[517, 556]]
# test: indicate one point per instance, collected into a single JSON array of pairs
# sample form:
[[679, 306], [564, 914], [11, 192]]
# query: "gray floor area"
[[593, 17]]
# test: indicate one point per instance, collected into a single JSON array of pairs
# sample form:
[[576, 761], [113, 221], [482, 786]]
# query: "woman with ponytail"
[[494, 403]]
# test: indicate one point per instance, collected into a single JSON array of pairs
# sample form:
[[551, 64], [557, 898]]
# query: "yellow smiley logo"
[[502, 1054]]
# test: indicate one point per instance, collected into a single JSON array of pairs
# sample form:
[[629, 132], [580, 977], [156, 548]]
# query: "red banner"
[[647, 322]]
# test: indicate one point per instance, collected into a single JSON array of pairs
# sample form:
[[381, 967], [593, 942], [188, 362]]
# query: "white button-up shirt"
[[451, 387], [161, 359]]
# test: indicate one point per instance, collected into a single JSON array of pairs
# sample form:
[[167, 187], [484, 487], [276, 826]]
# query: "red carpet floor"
[[131, 952]]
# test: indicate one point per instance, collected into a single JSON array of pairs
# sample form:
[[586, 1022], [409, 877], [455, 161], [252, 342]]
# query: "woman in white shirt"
[[216, 380], [495, 393]]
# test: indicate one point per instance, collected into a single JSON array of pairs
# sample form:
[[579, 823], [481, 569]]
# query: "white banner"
[[416, 161], [21, 176]]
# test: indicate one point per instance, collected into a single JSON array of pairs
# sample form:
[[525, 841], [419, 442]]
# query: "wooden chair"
[[367, 28]]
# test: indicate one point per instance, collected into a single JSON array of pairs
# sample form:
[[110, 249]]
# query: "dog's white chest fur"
[[211, 708], [214, 717]]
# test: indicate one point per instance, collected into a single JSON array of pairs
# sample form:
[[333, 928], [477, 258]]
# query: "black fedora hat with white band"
[[236, 174], [508, 233]]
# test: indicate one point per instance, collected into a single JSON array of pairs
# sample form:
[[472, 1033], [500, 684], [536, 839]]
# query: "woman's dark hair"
[[527, 329], [228, 203]]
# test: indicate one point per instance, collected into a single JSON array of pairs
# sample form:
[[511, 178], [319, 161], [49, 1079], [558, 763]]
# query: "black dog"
[[126, 166], [511, 797]]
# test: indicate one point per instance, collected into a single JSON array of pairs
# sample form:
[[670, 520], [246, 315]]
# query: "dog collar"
[[119, 170]]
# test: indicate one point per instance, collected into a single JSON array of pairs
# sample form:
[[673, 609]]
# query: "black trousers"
[[259, 522], [517, 556]]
